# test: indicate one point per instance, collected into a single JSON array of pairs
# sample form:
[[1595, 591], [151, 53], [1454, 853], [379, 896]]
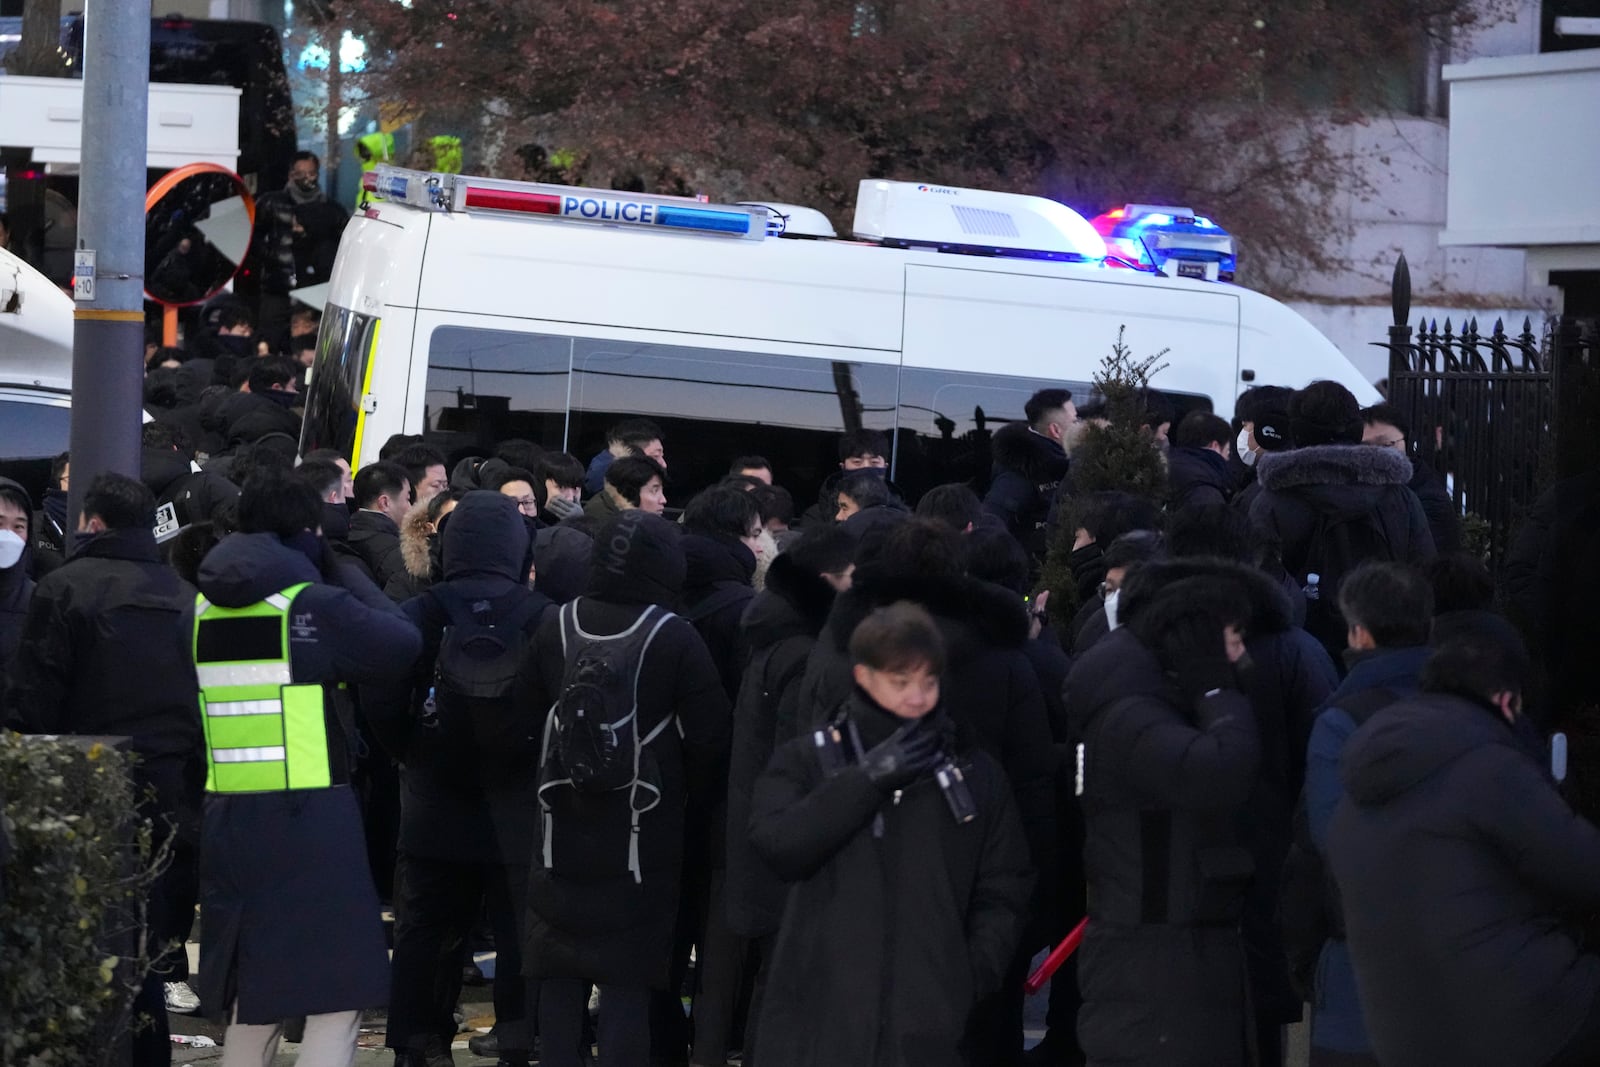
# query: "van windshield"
[[333, 399]]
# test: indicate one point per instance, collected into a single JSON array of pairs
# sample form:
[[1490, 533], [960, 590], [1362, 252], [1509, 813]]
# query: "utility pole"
[[108, 332]]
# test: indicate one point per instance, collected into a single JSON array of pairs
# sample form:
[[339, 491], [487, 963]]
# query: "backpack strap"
[[633, 791]]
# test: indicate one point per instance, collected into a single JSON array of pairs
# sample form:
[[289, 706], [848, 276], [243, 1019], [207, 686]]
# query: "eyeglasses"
[[528, 504]]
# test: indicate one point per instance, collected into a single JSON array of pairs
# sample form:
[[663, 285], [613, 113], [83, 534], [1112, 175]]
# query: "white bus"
[[471, 310]]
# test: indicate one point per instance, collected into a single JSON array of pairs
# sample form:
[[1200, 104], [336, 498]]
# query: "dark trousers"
[[171, 914], [437, 904], [1322, 1057], [719, 978], [623, 1031], [763, 948]]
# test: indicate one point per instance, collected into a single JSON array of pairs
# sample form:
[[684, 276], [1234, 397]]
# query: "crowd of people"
[[720, 779]]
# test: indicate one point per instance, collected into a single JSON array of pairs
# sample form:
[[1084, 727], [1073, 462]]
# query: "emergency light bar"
[[1159, 237], [456, 193], [914, 215]]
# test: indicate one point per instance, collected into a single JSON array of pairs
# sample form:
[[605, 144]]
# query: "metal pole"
[[108, 332]]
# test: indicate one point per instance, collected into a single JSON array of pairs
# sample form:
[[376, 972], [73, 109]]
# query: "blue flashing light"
[[690, 218], [1177, 242]]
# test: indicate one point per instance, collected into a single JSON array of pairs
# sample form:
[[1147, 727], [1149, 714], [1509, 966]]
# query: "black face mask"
[[239, 346]]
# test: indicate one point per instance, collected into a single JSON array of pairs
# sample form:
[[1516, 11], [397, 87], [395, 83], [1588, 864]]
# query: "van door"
[[1061, 325]]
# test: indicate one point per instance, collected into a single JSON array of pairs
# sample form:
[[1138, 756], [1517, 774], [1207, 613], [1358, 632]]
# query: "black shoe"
[[484, 1044], [432, 1054]]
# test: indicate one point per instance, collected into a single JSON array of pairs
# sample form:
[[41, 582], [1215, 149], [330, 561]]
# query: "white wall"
[[1354, 329]]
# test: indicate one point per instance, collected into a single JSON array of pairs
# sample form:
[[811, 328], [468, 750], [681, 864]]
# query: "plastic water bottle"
[[1312, 589]]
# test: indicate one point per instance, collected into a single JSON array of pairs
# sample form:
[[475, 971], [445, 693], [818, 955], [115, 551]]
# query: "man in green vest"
[[290, 919]]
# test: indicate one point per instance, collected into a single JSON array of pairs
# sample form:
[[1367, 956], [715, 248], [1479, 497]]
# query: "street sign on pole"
[[83, 274]]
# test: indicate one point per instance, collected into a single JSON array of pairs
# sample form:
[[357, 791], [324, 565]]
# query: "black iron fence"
[[1501, 416]]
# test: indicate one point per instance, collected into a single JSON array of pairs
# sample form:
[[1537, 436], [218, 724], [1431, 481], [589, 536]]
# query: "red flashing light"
[[513, 200], [1117, 213]]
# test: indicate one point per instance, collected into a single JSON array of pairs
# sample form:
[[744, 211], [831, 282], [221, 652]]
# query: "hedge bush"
[[72, 899]]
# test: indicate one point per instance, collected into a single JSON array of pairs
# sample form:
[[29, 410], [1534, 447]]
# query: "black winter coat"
[[249, 417], [990, 687], [1287, 677], [1162, 967], [48, 545], [291, 922], [374, 543], [1028, 469], [107, 651], [1299, 485], [716, 590], [460, 801], [16, 587], [1551, 583], [780, 628], [1457, 863], [587, 917], [1444, 518], [888, 939], [1197, 477]]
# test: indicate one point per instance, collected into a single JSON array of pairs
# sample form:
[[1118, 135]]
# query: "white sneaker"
[[180, 998]]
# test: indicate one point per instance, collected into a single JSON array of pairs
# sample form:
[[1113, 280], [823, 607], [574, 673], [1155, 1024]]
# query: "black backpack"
[[592, 742], [472, 723], [1309, 911], [1341, 540]]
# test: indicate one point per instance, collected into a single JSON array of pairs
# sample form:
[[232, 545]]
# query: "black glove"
[[1194, 649], [903, 756]]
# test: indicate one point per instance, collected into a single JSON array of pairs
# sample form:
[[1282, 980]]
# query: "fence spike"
[[1499, 327]]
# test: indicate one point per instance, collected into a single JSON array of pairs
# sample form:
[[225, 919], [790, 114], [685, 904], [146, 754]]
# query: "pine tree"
[[1116, 455]]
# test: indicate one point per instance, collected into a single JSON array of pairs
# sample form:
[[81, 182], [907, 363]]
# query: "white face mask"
[[1111, 608], [10, 549], [1242, 447]]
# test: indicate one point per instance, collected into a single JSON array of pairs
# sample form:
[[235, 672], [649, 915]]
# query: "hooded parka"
[[1457, 863], [1162, 967], [780, 627], [290, 922], [588, 916], [894, 930]]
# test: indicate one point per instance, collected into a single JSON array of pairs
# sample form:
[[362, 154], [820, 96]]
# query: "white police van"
[[473, 310]]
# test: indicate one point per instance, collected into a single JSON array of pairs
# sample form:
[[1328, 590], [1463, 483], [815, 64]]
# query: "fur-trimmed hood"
[[415, 544], [1017, 448], [1333, 465], [1149, 589], [973, 615]]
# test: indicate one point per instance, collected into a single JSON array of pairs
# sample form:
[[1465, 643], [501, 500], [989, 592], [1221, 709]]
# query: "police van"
[[472, 310]]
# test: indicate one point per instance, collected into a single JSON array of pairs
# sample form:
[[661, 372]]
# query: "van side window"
[[948, 418], [716, 404], [345, 342], [485, 386]]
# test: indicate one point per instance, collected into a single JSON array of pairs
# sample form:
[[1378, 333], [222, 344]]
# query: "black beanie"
[[638, 559]]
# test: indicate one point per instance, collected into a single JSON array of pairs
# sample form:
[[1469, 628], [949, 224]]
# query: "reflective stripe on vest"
[[263, 732]]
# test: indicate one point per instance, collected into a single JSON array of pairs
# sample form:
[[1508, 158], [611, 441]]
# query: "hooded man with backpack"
[[469, 754], [635, 725], [1333, 503]]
